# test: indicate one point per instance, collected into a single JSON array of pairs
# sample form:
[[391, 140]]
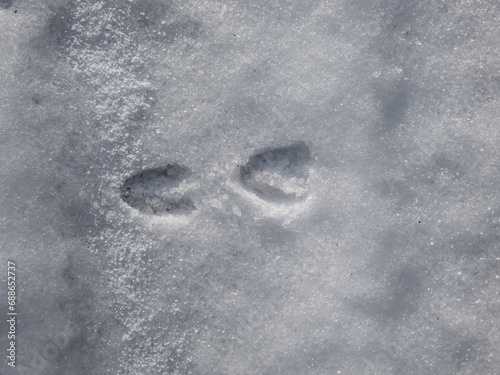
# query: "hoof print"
[[278, 175], [158, 191]]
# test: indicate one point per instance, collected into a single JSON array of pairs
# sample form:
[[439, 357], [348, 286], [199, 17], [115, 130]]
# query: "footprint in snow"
[[158, 191], [278, 175]]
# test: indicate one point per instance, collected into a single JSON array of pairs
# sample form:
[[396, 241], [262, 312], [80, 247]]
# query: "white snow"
[[251, 187]]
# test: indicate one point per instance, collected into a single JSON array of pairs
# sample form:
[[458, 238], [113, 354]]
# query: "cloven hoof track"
[[278, 175], [157, 191]]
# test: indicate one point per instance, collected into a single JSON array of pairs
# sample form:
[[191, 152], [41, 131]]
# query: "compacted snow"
[[291, 187]]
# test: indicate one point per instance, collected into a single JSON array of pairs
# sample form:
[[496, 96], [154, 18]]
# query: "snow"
[[324, 174]]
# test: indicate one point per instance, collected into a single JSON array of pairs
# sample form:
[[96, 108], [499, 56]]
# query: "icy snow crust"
[[324, 174]]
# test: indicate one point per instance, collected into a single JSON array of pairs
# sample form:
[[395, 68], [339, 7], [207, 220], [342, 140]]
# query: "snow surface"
[[325, 175]]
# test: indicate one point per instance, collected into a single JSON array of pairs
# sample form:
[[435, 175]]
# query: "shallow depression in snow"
[[158, 191]]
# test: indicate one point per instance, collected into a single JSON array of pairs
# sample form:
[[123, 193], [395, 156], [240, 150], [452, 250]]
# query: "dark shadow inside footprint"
[[157, 191], [278, 175]]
